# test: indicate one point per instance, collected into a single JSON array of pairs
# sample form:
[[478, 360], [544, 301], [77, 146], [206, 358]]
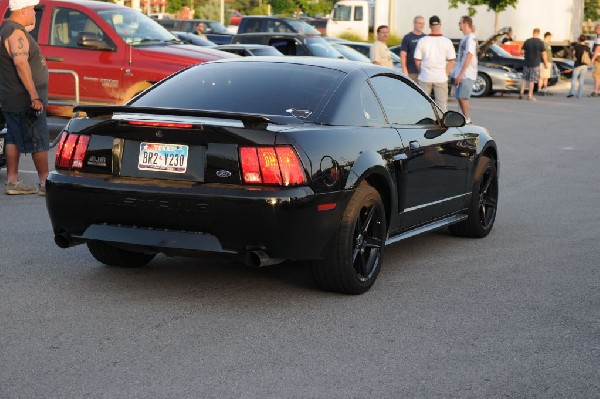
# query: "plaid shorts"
[[531, 74], [28, 131]]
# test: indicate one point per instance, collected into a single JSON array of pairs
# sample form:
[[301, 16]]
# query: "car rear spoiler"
[[248, 119]]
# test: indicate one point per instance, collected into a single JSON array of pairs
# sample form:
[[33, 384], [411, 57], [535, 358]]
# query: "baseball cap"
[[434, 20], [19, 4]]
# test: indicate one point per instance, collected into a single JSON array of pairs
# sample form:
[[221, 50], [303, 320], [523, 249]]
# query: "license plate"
[[163, 157]]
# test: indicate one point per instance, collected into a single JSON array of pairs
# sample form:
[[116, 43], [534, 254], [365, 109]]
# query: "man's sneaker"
[[19, 188], [41, 190]]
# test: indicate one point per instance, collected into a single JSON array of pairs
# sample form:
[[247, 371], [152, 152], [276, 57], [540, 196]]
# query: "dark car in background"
[[214, 30], [274, 24], [365, 49], [267, 159], [291, 43], [350, 53], [192, 38], [490, 52], [248, 50]]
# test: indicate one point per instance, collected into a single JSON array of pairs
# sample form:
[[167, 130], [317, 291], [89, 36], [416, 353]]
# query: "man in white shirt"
[[380, 54], [434, 57], [465, 72]]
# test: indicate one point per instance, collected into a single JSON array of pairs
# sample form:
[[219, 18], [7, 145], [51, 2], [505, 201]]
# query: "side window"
[[403, 104], [252, 25], [358, 13], [371, 108], [286, 47], [68, 26], [277, 26], [39, 11]]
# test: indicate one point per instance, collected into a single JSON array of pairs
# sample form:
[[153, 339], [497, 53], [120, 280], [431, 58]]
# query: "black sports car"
[[269, 159]]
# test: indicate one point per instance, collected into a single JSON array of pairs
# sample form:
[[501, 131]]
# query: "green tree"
[[493, 5], [590, 10]]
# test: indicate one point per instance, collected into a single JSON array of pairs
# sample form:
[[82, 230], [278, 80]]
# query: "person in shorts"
[[465, 72], [546, 72], [23, 96], [435, 58], [596, 63], [534, 51]]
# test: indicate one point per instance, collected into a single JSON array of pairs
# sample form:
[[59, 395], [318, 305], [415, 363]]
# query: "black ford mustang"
[[272, 159]]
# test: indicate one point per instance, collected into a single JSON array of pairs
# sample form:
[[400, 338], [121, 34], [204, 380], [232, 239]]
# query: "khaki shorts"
[[545, 73], [596, 73]]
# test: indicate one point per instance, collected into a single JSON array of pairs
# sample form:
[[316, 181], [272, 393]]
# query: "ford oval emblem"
[[223, 173], [159, 133]]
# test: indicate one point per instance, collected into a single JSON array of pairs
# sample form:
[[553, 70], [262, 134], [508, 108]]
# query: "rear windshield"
[[248, 87]]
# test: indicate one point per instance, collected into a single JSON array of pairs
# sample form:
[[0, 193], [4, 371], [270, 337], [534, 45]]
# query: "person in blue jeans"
[[578, 75]]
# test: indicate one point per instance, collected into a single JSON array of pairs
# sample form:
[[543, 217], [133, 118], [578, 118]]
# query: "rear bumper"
[[281, 222]]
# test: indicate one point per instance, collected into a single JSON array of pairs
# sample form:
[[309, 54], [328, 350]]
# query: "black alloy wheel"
[[355, 256], [484, 202]]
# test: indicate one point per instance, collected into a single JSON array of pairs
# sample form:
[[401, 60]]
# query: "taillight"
[[271, 165], [71, 151], [161, 124]]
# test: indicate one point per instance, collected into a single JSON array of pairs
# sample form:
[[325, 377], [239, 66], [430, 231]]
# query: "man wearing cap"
[[434, 57], [23, 96]]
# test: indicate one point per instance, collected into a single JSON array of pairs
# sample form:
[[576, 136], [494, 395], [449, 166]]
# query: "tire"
[[482, 86], [113, 256], [355, 255], [484, 203]]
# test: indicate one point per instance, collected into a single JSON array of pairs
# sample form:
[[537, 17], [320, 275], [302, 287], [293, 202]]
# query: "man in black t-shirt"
[[535, 53]]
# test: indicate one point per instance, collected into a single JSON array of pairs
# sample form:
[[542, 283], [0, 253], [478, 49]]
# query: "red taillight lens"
[[80, 150], [161, 124], [271, 165], [289, 164], [66, 151], [250, 166], [71, 151]]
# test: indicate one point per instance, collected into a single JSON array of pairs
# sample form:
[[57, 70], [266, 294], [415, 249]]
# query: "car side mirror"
[[453, 119], [91, 40]]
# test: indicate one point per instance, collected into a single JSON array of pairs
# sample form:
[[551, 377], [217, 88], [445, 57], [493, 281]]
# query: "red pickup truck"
[[104, 53]]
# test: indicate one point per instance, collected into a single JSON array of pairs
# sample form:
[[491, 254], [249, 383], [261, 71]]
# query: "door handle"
[[414, 145], [55, 59]]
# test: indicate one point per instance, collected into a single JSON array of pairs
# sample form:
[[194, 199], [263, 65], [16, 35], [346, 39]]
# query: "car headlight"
[[513, 75]]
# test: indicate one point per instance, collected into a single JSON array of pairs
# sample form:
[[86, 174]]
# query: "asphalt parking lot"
[[514, 315]]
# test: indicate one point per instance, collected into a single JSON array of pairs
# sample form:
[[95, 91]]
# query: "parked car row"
[[214, 30]]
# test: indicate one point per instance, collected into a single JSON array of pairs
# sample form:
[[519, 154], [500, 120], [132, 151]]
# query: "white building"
[[563, 18]]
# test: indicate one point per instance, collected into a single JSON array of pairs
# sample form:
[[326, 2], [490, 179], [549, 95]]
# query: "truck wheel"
[[354, 257], [484, 203], [113, 256]]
